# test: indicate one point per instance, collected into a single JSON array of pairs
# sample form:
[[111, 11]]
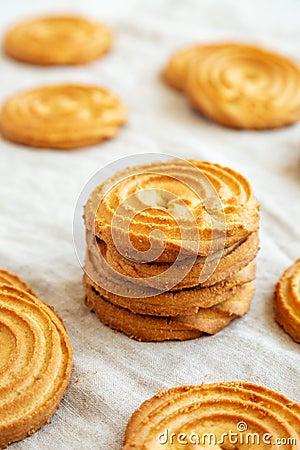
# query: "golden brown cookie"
[[208, 413], [57, 40], [287, 301], [62, 116], [167, 276], [35, 364], [11, 279], [188, 208], [151, 328], [242, 86], [143, 300]]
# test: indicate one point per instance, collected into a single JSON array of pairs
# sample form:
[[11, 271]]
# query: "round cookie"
[[242, 86], [151, 328], [185, 208], [62, 116], [57, 40], [13, 280], [198, 411], [287, 301], [35, 364]]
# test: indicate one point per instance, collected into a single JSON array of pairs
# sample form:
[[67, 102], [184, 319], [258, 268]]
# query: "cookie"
[[57, 40], [167, 276], [287, 301], [35, 363], [62, 116], [11, 279], [208, 413], [151, 328], [171, 303], [242, 86], [158, 211]]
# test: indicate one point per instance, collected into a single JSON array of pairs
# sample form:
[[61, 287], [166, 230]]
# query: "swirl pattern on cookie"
[[287, 301], [176, 71], [57, 40], [177, 206], [215, 409], [62, 116], [243, 86], [35, 364], [13, 280]]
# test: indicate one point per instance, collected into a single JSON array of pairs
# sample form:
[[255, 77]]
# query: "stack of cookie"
[[171, 249]]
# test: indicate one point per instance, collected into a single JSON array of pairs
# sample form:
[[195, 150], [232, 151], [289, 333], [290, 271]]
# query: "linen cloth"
[[39, 189]]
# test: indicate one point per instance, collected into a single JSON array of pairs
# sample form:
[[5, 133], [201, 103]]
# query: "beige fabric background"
[[112, 374]]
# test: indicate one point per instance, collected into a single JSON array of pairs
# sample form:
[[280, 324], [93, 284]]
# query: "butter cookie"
[[57, 40], [62, 116], [35, 362], [211, 414], [287, 301]]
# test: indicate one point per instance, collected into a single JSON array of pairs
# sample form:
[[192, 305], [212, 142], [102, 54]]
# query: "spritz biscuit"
[[237, 85], [287, 301], [242, 86], [62, 116], [197, 206], [57, 40], [196, 414], [35, 363]]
